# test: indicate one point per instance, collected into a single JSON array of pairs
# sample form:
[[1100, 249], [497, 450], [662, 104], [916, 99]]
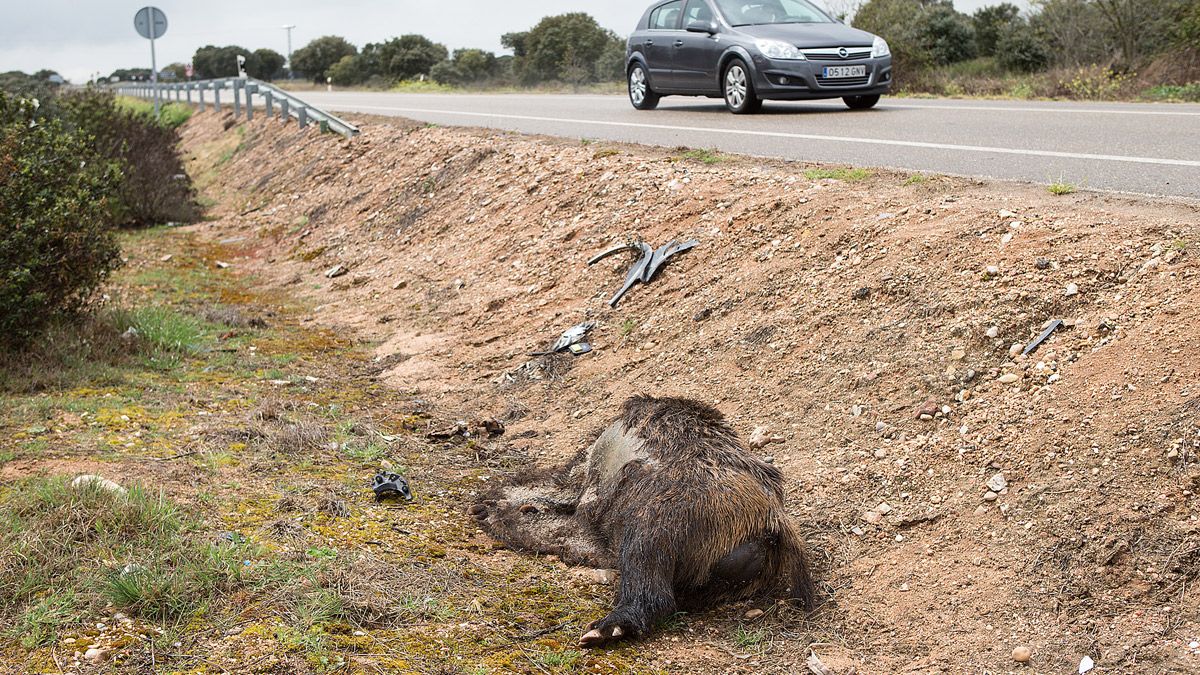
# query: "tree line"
[[1123, 34]]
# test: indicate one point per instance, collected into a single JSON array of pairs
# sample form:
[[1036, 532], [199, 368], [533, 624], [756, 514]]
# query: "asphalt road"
[[1131, 147]]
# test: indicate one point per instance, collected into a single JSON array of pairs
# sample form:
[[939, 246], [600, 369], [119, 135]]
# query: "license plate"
[[838, 72]]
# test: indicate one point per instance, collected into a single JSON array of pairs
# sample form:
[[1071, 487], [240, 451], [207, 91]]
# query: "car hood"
[[806, 35]]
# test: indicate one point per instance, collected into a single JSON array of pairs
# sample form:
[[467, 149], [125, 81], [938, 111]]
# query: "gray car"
[[750, 50]]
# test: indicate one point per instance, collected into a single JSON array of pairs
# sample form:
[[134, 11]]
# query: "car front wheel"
[[740, 97], [640, 94], [861, 102]]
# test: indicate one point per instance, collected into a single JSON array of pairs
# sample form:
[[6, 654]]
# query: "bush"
[[570, 48], [1018, 48], [56, 204], [317, 57], [156, 188]]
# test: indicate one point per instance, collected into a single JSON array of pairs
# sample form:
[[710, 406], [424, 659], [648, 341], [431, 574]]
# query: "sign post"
[[151, 24]]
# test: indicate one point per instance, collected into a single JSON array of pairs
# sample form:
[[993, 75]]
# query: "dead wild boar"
[[669, 496]]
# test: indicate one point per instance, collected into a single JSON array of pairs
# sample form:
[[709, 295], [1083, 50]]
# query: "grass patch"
[[846, 174], [171, 115], [1189, 93], [156, 564], [627, 327], [422, 87], [709, 157], [749, 637], [916, 179], [1060, 188]]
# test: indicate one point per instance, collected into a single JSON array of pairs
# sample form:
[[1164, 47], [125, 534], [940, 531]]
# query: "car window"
[[697, 10], [762, 12], [667, 16]]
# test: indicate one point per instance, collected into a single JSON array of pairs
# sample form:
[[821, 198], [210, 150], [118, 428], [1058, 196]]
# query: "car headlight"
[[777, 49], [880, 48]]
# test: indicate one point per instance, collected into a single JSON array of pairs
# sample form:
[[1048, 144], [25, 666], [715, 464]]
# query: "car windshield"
[[766, 12]]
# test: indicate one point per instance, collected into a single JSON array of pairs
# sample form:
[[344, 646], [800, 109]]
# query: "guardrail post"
[[283, 110], [200, 95], [251, 89], [216, 96], [187, 89], [237, 98], [302, 116], [270, 101]]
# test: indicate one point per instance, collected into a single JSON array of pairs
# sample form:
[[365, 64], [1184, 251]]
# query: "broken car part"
[[388, 485], [647, 266], [1054, 325], [571, 338]]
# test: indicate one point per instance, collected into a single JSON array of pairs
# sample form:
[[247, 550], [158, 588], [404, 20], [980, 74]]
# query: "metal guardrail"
[[242, 92]]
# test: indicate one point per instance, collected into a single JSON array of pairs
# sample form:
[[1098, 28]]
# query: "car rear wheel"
[[861, 102], [740, 97], [640, 94]]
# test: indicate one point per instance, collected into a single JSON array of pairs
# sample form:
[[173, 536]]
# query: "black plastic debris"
[[1054, 325], [388, 485], [572, 339], [647, 266]]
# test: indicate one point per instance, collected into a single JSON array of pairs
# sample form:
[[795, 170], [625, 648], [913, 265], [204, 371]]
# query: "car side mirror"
[[708, 27]]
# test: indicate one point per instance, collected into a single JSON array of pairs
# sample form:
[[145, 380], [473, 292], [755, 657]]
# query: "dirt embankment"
[[834, 313]]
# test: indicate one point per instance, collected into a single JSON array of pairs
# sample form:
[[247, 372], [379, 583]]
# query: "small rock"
[[1022, 654], [166, 258], [1086, 664], [87, 480], [1006, 214], [336, 271], [884, 508], [769, 459], [1072, 289], [753, 614], [223, 265], [1009, 378], [96, 655], [990, 496], [604, 577], [1016, 349], [927, 410], [1042, 264], [359, 633], [862, 293], [993, 332], [992, 271], [903, 588], [880, 453], [957, 355], [234, 631], [872, 517], [759, 438], [997, 482]]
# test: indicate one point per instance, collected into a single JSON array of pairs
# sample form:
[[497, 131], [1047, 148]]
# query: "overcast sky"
[[81, 37]]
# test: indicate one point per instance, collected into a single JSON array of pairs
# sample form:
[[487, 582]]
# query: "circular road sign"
[[150, 23]]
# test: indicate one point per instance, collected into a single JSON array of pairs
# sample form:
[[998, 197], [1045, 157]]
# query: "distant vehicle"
[[750, 50]]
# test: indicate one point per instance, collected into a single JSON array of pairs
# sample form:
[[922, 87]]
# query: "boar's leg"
[[646, 594]]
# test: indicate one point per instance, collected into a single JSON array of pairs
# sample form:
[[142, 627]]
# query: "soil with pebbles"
[[870, 325]]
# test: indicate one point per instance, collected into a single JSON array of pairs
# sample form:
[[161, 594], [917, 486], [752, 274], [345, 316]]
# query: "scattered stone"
[[992, 271], [234, 631], [957, 355], [993, 332], [884, 508], [87, 480], [1072, 289], [1042, 264], [1006, 214], [1009, 378], [702, 315], [604, 577], [880, 453], [997, 483], [872, 517], [862, 293], [1016, 349], [1086, 664], [223, 265], [336, 271], [1022, 654], [927, 410], [753, 614], [96, 655], [166, 258], [760, 438], [990, 496]]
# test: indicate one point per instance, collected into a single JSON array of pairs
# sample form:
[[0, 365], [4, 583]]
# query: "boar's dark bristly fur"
[[671, 497]]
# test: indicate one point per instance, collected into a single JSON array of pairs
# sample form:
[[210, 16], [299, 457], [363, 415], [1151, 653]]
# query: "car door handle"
[[649, 43], [679, 43]]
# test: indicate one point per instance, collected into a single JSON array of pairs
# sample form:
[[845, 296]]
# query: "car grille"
[[831, 54], [843, 81]]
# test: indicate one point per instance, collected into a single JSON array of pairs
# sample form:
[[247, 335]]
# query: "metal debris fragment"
[[1054, 325], [572, 339], [388, 485], [647, 266]]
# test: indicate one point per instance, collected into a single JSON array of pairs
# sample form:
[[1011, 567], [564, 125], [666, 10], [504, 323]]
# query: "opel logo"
[[843, 53]]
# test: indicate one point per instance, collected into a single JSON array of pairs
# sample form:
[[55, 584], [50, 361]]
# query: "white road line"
[[806, 137], [886, 104]]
